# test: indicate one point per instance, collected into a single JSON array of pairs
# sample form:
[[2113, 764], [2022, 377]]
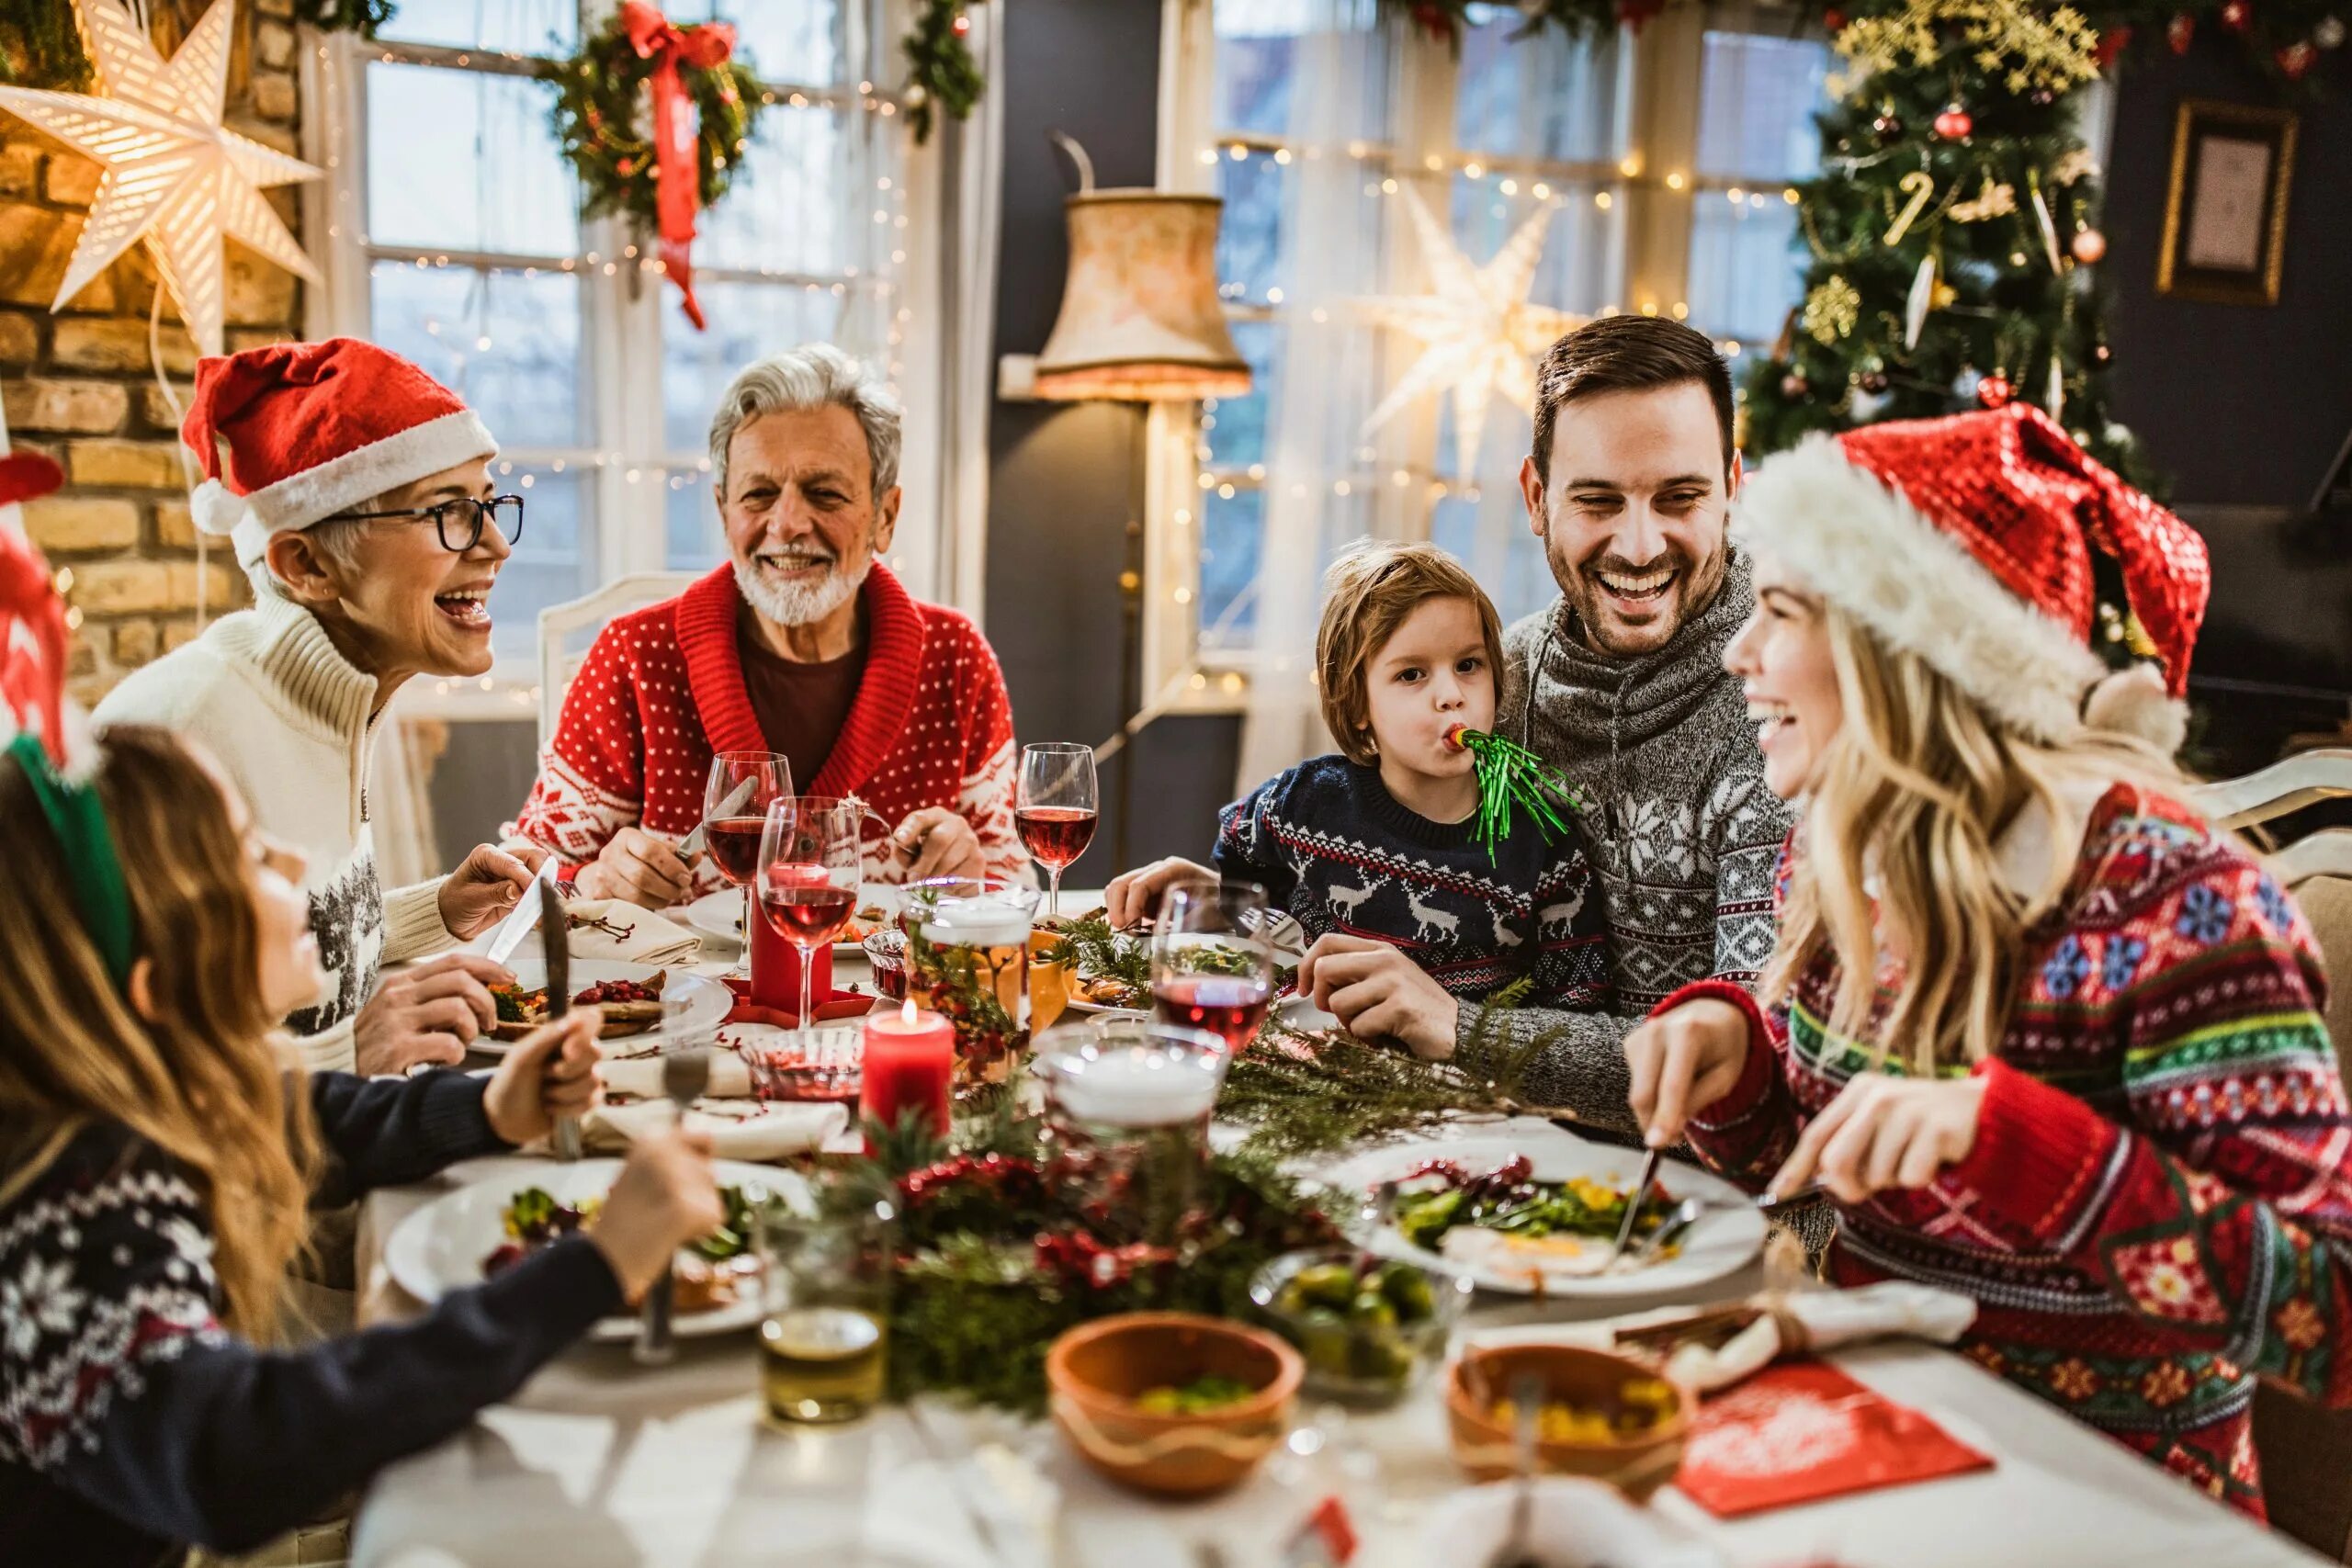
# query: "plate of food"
[[464, 1237], [1536, 1217], [637, 999], [721, 915]]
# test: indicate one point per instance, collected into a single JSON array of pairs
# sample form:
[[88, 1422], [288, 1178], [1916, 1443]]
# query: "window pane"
[[549, 567], [525, 26], [1546, 96], [1231, 532], [1487, 529], [1745, 271], [805, 198], [1758, 97], [507, 342], [749, 321], [1263, 48], [1261, 201], [463, 160], [690, 522], [1233, 429], [802, 42], [1576, 268]]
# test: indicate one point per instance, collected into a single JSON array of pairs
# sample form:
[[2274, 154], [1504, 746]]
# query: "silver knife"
[[1634, 1202], [691, 845], [520, 918], [555, 938]]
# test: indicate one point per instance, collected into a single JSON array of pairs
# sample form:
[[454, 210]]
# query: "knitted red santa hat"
[[315, 429], [32, 618], [1968, 541]]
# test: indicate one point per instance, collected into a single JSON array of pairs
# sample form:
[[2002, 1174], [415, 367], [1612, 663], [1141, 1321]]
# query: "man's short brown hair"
[[1366, 596], [1627, 353]]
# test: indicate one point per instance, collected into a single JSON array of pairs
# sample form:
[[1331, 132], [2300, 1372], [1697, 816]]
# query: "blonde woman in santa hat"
[[2046, 1037], [357, 493]]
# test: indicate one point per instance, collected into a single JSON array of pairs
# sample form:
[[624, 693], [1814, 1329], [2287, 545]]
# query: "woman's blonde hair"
[[1366, 595], [203, 1080], [1915, 792]]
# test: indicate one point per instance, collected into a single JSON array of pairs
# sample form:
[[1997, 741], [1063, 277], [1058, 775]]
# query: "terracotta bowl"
[[1637, 1464], [1094, 1373]]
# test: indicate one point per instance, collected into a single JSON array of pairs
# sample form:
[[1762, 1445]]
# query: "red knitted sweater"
[[2158, 1206], [662, 688]]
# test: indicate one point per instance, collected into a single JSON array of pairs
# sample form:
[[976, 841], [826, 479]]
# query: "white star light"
[[1479, 336], [173, 176]]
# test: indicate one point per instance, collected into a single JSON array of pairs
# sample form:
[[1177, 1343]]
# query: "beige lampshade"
[[1140, 321]]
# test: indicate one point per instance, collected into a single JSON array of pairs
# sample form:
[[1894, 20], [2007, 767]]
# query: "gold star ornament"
[[1478, 335], [171, 175]]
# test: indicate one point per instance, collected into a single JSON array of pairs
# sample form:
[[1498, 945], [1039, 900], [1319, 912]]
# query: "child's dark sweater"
[[1335, 849]]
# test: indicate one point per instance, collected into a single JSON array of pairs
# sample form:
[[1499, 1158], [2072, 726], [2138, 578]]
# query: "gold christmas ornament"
[[1832, 311], [1993, 202], [1921, 187], [171, 175], [2010, 40]]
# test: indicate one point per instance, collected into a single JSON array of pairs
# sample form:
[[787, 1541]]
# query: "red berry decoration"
[[1834, 19], [1954, 124], [1995, 392], [2237, 16], [2111, 44], [2179, 31], [2296, 59], [2088, 245]]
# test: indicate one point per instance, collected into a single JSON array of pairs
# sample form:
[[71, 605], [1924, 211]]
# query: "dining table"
[[598, 1461]]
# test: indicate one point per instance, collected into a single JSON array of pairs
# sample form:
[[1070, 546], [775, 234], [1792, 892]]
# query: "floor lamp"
[[1139, 323]]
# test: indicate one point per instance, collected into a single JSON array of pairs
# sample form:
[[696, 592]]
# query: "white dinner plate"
[[1301, 1013], [704, 1002], [721, 915], [440, 1248], [1719, 1242]]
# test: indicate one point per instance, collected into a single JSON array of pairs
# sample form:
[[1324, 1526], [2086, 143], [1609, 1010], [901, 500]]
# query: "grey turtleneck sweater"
[[1682, 831]]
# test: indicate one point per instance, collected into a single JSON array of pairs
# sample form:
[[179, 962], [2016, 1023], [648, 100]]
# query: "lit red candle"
[[910, 1062]]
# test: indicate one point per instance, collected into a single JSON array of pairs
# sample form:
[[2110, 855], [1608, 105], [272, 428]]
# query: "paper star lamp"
[[1479, 336], [171, 175]]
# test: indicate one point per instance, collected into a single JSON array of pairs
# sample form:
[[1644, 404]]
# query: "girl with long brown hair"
[[157, 1152], [2043, 1034]]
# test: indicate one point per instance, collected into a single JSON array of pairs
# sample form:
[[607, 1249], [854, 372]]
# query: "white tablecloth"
[[600, 1463]]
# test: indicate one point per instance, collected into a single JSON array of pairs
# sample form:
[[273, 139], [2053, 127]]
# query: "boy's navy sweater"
[[1334, 848], [133, 1425]]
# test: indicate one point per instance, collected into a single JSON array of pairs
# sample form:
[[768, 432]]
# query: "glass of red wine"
[[1212, 964], [1055, 811], [808, 876], [735, 801]]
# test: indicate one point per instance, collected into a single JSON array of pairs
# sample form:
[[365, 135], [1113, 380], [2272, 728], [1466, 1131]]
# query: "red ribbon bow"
[[677, 191]]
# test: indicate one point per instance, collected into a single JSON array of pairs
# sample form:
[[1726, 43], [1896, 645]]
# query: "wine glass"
[[1212, 964], [735, 802], [808, 876], [1055, 811]]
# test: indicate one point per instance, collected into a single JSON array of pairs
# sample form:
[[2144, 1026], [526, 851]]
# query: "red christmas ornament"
[[1995, 392], [962, 24], [2088, 245], [2111, 44], [1834, 19], [1633, 13], [1954, 124], [1435, 20], [2237, 16], [2294, 59], [2179, 31]]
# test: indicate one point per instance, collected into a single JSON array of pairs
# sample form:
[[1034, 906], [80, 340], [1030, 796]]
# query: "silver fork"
[[1527, 1409], [685, 1073]]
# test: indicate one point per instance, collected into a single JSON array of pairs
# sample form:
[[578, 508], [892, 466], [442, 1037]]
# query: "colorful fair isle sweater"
[[1330, 844], [132, 1425], [662, 688], [2158, 1205]]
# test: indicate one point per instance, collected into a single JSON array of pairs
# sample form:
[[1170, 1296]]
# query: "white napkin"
[[649, 939], [1825, 1318], [740, 1129], [641, 1077]]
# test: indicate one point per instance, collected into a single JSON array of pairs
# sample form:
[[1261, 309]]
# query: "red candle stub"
[[909, 1063]]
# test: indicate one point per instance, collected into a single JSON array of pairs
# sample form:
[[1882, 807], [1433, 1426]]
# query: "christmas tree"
[[1952, 231]]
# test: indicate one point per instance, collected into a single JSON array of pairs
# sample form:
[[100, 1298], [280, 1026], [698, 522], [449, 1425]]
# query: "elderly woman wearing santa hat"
[[357, 493], [2045, 1035]]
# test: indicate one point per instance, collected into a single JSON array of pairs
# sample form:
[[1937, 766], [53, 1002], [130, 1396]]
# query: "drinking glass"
[[735, 801], [825, 1323], [1212, 964], [808, 876], [1128, 1102], [967, 960], [1055, 811]]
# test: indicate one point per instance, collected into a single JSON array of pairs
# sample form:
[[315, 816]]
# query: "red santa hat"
[[314, 429], [1967, 541], [32, 618]]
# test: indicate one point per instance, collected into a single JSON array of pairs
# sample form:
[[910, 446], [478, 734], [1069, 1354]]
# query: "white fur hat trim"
[[340, 483]]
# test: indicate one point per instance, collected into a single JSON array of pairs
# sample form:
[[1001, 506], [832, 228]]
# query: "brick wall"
[[80, 383]]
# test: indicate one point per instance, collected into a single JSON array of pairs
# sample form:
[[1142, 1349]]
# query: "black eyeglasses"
[[459, 522]]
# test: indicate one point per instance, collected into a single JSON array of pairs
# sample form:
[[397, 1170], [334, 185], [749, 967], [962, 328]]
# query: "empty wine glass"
[[735, 801], [808, 877], [1056, 809], [1212, 964]]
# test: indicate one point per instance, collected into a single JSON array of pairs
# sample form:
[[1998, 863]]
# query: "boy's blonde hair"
[[1366, 595]]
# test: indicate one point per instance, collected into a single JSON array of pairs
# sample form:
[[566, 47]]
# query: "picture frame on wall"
[[2225, 214]]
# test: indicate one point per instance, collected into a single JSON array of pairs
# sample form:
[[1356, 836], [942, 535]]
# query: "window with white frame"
[[453, 237], [1659, 197]]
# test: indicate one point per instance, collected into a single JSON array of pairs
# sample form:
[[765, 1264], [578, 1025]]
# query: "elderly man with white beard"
[[805, 645]]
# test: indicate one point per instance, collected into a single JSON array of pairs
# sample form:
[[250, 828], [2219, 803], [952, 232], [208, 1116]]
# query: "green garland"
[[603, 124], [942, 75], [40, 46]]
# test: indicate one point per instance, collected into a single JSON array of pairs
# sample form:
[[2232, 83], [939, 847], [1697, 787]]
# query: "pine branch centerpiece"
[[1513, 777]]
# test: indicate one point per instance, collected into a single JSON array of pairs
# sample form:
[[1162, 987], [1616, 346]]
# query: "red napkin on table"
[[1803, 1431], [829, 1004]]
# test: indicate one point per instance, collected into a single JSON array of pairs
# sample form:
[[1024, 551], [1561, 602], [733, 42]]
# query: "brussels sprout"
[[1409, 1291]]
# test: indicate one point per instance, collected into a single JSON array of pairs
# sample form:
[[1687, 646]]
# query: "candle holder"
[[1128, 1109], [967, 960]]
